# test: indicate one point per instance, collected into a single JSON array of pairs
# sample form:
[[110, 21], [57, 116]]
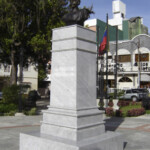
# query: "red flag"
[[103, 44]]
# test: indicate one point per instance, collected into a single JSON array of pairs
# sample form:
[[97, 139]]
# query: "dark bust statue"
[[76, 15]]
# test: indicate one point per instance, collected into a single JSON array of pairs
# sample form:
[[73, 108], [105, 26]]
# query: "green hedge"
[[127, 109], [11, 94], [6, 108]]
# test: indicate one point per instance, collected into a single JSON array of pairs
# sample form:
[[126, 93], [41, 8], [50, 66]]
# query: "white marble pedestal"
[[72, 121]]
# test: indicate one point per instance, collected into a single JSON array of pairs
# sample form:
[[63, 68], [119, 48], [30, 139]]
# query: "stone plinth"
[[72, 121]]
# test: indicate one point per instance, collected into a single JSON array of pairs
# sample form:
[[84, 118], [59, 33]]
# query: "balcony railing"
[[126, 67]]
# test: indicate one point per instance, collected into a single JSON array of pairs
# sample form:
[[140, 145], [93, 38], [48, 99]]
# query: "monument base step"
[[38, 141]]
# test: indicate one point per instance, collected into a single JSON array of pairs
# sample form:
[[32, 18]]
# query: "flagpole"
[[107, 59], [101, 82], [116, 61], [97, 80]]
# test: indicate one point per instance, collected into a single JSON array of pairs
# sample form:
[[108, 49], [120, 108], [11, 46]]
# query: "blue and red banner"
[[103, 44]]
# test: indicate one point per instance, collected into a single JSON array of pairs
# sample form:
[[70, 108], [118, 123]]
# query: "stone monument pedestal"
[[72, 121]]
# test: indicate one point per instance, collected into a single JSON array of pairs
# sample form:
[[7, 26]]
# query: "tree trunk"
[[21, 66], [14, 69]]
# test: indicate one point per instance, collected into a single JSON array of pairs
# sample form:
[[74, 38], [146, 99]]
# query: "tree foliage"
[[26, 26]]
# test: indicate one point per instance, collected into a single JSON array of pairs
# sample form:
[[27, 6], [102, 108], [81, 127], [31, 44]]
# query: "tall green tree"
[[13, 19], [45, 21], [26, 29]]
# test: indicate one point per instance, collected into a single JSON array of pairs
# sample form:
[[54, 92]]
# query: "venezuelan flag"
[[103, 44]]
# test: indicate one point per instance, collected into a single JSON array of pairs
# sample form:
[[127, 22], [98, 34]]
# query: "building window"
[[7, 68], [122, 15], [124, 58], [128, 91], [125, 79], [143, 57], [109, 57], [25, 68]]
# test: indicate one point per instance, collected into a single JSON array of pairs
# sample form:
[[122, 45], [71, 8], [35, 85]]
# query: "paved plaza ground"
[[135, 131]]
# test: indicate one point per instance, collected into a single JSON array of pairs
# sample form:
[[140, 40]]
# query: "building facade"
[[119, 14], [128, 28], [133, 67], [30, 76]]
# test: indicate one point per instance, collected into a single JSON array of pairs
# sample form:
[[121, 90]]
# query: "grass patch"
[[125, 109], [147, 111]]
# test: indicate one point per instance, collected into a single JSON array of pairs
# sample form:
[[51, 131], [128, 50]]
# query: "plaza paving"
[[135, 131]]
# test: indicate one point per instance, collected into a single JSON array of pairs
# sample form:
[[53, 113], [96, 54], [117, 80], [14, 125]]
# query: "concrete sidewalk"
[[135, 131]]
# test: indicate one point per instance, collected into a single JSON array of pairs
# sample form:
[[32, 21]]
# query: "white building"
[[119, 13], [132, 72], [30, 76], [133, 62]]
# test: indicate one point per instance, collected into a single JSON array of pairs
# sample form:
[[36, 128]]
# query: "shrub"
[[11, 94], [11, 113], [130, 106], [119, 93], [136, 112], [31, 112], [109, 111], [136, 103], [101, 104], [6, 108], [110, 103], [122, 103]]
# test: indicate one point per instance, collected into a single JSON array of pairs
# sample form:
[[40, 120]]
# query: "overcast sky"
[[133, 8]]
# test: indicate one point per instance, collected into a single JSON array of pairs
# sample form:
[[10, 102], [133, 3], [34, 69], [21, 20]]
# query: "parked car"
[[135, 94], [1, 95]]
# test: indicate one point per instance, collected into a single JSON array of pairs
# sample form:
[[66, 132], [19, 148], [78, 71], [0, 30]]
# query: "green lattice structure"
[[131, 28]]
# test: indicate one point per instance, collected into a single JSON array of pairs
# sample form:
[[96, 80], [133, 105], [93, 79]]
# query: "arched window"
[[125, 79]]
